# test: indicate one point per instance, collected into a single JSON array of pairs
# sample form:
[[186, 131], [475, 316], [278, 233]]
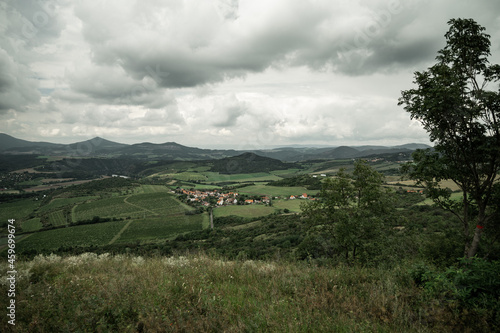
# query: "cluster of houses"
[[230, 198], [201, 197]]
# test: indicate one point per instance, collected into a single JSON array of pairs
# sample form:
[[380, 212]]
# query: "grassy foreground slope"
[[91, 293]]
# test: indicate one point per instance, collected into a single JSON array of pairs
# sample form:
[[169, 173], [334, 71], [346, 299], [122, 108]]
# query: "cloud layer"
[[221, 72]]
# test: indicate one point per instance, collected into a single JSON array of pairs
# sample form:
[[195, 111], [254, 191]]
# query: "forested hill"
[[249, 163]]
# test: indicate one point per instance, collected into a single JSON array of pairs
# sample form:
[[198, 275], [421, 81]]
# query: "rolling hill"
[[99, 147], [249, 163]]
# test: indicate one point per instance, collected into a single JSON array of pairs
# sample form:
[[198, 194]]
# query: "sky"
[[238, 74]]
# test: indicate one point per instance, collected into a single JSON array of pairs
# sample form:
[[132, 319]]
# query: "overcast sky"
[[221, 73]]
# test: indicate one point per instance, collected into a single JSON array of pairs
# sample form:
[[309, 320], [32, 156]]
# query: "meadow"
[[275, 191], [104, 293], [292, 205], [244, 210]]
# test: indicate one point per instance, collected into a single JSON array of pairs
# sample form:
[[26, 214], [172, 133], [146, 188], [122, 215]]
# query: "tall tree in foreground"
[[458, 102]]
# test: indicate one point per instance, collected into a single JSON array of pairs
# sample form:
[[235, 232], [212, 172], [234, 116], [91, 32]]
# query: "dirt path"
[[120, 232]]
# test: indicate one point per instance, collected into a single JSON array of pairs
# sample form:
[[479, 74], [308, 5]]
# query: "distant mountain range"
[[99, 147]]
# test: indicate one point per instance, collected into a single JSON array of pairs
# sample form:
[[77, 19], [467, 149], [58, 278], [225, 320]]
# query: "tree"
[[351, 209], [461, 115]]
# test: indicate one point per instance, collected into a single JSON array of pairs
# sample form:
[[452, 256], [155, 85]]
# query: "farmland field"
[[57, 218], [188, 176], [275, 190], [17, 209], [32, 225], [159, 203], [292, 205], [244, 210], [454, 196], [161, 228], [84, 235], [242, 177], [197, 186], [151, 189], [287, 172], [111, 207], [61, 202]]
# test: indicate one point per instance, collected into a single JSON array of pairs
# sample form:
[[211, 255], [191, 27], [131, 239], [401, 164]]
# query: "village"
[[215, 197]]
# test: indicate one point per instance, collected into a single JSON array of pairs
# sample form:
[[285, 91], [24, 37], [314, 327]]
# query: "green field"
[[61, 202], [154, 201], [188, 176], [151, 189], [187, 185], [292, 205], [287, 172], [454, 196], [57, 218], [244, 210], [275, 191], [111, 207], [84, 235], [17, 210], [32, 225], [161, 203], [242, 177], [161, 228]]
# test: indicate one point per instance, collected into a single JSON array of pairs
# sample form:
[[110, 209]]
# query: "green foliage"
[[353, 209], [473, 284], [460, 115]]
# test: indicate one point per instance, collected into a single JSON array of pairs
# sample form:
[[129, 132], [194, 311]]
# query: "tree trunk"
[[475, 242], [481, 219]]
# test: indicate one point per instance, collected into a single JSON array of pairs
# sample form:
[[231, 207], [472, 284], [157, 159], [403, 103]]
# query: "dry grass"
[[91, 293]]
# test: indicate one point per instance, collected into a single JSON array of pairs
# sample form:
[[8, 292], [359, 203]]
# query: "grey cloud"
[[293, 33], [228, 9], [105, 84], [17, 89], [227, 112], [201, 57], [35, 22], [231, 116]]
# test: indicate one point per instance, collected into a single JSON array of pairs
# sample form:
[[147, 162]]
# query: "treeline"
[[307, 181], [10, 163]]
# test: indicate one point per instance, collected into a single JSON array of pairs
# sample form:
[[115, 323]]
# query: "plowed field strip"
[[120, 232]]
